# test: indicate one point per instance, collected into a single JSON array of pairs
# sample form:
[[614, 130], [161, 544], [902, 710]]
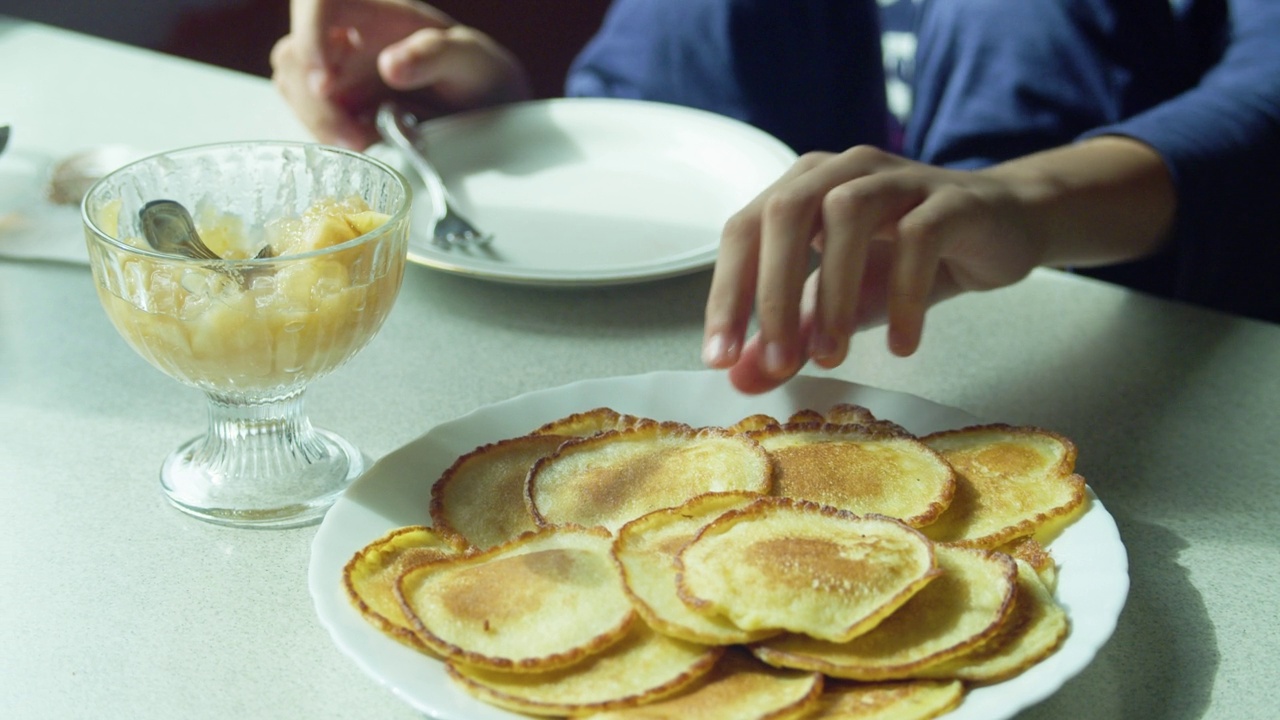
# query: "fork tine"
[[454, 229], [450, 228]]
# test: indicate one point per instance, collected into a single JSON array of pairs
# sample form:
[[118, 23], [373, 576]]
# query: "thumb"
[[414, 62], [464, 67]]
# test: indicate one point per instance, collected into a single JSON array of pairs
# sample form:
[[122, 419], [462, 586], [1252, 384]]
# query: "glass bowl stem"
[[294, 471]]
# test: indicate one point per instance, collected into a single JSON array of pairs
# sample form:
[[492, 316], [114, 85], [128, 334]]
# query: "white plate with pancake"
[[591, 191], [1093, 577]]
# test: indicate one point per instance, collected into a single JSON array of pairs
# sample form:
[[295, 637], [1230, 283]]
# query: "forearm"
[[1099, 201]]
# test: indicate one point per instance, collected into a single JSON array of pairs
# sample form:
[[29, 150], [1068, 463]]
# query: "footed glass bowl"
[[253, 331]]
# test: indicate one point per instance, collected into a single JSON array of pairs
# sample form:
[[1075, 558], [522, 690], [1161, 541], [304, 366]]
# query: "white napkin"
[[32, 225]]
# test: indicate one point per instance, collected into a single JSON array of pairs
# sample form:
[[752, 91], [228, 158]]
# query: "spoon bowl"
[[169, 228]]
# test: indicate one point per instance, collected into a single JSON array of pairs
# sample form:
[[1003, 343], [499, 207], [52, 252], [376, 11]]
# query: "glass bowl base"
[[272, 488]]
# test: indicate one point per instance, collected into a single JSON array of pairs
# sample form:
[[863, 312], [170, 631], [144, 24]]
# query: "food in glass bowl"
[[250, 328]]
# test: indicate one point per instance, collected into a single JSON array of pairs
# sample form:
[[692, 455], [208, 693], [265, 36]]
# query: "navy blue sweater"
[[1197, 80]]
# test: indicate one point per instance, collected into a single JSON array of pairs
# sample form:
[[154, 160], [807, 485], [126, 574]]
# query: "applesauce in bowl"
[[250, 332], [260, 326]]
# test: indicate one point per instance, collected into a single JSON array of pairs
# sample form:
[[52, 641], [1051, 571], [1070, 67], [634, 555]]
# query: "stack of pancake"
[[828, 565]]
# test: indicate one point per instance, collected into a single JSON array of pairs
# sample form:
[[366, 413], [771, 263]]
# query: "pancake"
[[758, 421], [1011, 481], [1034, 630], [369, 577], [609, 479], [540, 602], [859, 469], [646, 549], [480, 498], [1030, 551], [960, 609], [797, 566], [738, 688], [645, 666], [912, 700], [849, 414], [588, 423], [806, 415], [691, 563]]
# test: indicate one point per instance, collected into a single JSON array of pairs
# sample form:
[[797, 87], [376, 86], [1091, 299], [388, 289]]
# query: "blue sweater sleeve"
[[1197, 80], [807, 71], [1221, 141]]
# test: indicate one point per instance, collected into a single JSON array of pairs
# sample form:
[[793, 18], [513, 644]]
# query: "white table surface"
[[114, 605]]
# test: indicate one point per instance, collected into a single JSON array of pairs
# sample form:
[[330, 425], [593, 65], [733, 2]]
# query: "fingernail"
[[347, 143], [902, 344], [720, 351], [822, 346], [776, 360], [317, 80], [713, 350], [397, 67]]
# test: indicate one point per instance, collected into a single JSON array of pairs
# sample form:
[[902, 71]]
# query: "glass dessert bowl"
[[310, 244]]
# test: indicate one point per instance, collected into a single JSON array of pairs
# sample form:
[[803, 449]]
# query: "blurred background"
[[238, 34]]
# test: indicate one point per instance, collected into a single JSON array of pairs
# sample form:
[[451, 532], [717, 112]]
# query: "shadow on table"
[[1147, 378], [1130, 390], [1163, 658], [573, 312]]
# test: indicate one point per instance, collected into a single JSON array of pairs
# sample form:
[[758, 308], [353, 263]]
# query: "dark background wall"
[[238, 34]]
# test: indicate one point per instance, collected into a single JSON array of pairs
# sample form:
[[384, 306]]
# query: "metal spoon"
[[168, 227]]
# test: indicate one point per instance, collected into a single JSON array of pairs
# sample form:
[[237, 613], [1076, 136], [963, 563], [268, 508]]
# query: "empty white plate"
[[590, 191]]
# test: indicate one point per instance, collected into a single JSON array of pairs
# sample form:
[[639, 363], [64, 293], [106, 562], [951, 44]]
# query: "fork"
[[449, 228]]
